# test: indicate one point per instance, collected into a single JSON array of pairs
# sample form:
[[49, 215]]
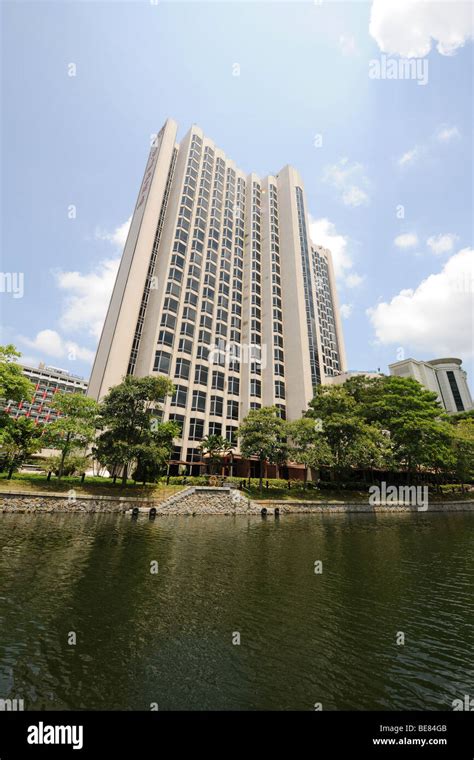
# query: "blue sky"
[[387, 164]]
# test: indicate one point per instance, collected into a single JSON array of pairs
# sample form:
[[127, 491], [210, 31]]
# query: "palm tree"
[[213, 445]]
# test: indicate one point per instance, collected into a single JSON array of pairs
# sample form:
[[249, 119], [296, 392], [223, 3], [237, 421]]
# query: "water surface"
[[166, 638]]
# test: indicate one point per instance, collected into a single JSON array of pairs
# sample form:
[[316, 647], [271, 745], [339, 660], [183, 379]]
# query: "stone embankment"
[[199, 501]]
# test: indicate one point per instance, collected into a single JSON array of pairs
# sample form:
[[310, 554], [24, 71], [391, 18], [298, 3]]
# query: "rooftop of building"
[[54, 371]]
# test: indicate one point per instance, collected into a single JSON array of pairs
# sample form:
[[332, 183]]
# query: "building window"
[[166, 338], [196, 429], [201, 375], [255, 388], [455, 391], [233, 410], [217, 406], [231, 434], [182, 368], [218, 381], [180, 396], [202, 353], [279, 389], [199, 402], [187, 329], [189, 313], [215, 428], [162, 362], [168, 320], [234, 385], [176, 454], [193, 455], [185, 346]]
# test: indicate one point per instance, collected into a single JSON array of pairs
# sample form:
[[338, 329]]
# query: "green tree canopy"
[[215, 446], [262, 434], [352, 440], [419, 432], [307, 444], [132, 431], [14, 386], [75, 428], [19, 439]]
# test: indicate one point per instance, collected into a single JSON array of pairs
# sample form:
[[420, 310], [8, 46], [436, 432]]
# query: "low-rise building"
[[47, 381], [445, 377], [341, 377]]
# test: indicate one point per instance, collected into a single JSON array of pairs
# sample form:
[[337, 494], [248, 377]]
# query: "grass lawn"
[[94, 486], [97, 486], [344, 495]]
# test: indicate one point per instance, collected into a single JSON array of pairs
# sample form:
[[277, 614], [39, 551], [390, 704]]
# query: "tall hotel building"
[[221, 289]]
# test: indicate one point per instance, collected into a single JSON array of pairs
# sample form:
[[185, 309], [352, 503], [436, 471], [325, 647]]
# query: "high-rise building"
[[218, 289], [445, 377], [333, 353], [47, 382]]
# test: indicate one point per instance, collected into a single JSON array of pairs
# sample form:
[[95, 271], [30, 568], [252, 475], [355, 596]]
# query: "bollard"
[[264, 512], [152, 513]]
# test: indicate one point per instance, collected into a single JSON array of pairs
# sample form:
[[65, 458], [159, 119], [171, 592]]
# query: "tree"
[[463, 445], [73, 464], [419, 432], [346, 432], [75, 428], [215, 446], [307, 444], [14, 386], [262, 434], [153, 455], [129, 417], [20, 439]]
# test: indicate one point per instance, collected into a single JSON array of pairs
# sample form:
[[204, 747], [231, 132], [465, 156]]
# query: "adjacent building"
[[221, 289], [333, 355], [343, 376], [445, 377], [47, 382]]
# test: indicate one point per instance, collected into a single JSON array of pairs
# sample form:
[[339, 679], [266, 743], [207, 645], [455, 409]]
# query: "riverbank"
[[202, 501]]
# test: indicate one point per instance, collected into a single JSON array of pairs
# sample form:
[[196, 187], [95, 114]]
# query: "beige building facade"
[[445, 377], [218, 289]]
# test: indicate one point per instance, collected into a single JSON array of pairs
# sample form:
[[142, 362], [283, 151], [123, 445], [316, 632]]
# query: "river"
[[156, 609]]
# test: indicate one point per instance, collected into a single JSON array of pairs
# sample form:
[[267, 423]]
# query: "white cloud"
[[445, 134], [435, 317], [440, 244], [407, 240], [353, 280], [350, 180], [355, 196], [408, 27], [323, 232], [410, 156], [348, 45], [118, 237], [346, 310], [50, 343], [87, 297]]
